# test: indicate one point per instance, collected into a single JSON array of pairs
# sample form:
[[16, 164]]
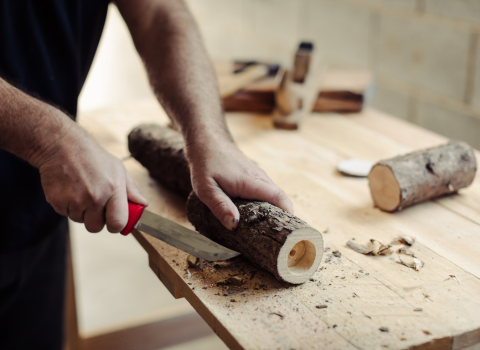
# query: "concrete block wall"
[[425, 53]]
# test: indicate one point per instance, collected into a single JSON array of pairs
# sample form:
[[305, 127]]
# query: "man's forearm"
[[28, 126], [180, 72]]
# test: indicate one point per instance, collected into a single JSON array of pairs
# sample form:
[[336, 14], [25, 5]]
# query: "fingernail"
[[230, 222]]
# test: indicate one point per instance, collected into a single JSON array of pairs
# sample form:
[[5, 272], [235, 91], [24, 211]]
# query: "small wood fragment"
[[405, 250], [411, 262], [192, 261], [359, 248], [407, 240], [380, 248]]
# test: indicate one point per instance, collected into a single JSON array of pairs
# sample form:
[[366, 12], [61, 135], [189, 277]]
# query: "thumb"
[[133, 193], [221, 206]]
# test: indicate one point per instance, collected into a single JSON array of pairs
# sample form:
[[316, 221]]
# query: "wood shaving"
[[192, 261], [405, 250], [380, 248], [411, 262], [406, 240], [453, 277], [359, 248], [189, 274]]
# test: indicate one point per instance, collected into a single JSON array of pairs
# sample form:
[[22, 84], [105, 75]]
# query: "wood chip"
[[192, 261], [411, 262], [405, 250], [379, 247], [336, 254], [453, 277], [407, 240], [359, 248]]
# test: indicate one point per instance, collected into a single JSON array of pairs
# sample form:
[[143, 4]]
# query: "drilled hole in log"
[[301, 257]]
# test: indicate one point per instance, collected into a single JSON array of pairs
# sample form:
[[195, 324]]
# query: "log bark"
[[161, 150], [266, 235], [416, 177]]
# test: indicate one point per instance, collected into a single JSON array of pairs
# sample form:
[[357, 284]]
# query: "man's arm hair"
[[180, 72], [28, 126]]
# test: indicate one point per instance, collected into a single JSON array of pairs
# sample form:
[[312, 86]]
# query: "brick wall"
[[425, 53]]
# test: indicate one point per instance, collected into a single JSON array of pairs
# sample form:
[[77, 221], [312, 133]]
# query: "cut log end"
[[300, 256], [384, 187]]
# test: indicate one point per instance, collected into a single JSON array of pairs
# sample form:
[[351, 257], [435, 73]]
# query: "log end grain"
[[386, 192], [267, 236], [300, 255], [405, 180]]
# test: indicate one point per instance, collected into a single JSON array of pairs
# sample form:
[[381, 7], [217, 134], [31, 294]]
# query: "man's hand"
[[83, 181], [220, 171], [80, 179]]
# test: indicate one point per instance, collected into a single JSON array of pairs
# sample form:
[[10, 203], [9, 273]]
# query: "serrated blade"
[[182, 238]]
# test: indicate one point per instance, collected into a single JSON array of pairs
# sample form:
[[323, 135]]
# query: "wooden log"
[[399, 182], [267, 236], [161, 150]]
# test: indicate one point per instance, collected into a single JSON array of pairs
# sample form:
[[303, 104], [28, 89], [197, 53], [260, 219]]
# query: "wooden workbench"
[[362, 293]]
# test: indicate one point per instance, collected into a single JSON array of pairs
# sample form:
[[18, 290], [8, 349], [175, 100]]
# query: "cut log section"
[[267, 236], [161, 150], [416, 177]]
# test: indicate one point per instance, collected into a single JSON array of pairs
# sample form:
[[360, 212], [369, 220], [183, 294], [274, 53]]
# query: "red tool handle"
[[134, 213]]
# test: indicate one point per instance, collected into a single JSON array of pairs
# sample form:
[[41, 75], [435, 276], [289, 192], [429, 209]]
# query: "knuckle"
[[115, 225], [218, 208], [280, 195]]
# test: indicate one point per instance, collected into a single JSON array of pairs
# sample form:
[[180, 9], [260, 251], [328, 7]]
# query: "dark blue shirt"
[[46, 50]]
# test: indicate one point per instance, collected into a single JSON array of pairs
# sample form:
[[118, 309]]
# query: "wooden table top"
[[363, 294]]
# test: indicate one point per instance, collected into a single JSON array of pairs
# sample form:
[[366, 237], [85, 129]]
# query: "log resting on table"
[[162, 151], [268, 236], [402, 181]]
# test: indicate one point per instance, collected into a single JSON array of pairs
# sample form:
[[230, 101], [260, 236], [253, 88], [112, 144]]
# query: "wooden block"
[[342, 91]]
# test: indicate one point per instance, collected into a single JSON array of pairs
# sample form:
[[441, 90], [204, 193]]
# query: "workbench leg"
[[72, 340]]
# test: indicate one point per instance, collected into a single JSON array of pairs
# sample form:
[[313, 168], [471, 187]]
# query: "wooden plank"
[[152, 336], [266, 314], [165, 280]]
